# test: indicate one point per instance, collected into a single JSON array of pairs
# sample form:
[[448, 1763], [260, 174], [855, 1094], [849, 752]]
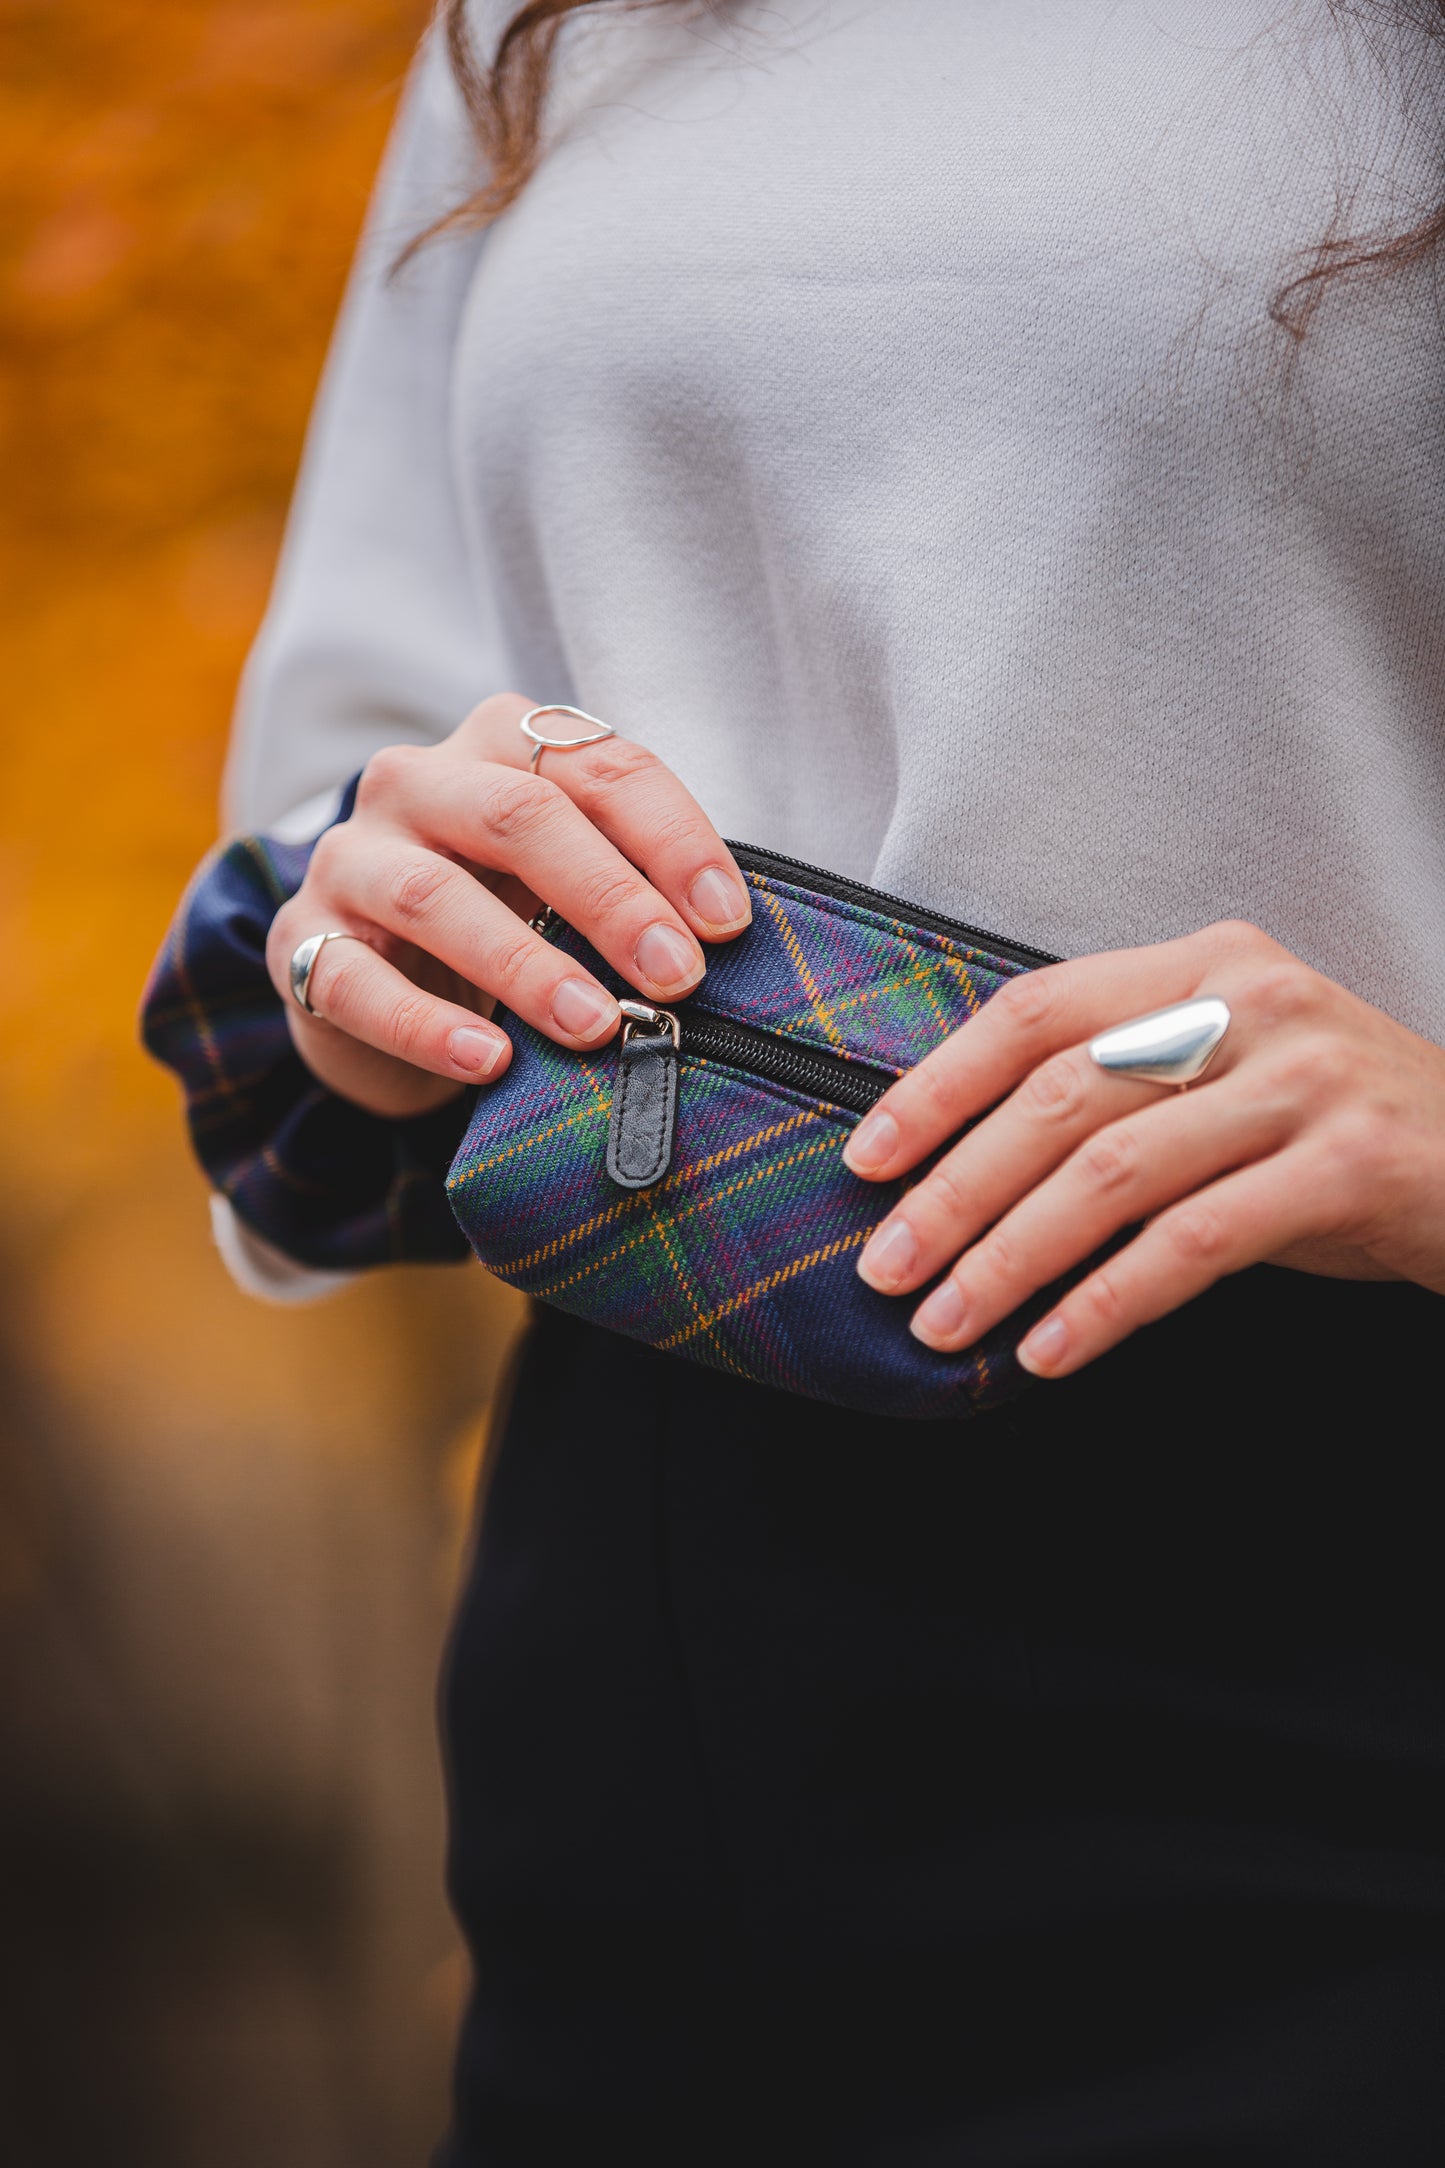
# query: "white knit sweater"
[[871, 406]]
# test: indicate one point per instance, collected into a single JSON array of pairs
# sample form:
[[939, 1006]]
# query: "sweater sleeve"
[[375, 634], [377, 628]]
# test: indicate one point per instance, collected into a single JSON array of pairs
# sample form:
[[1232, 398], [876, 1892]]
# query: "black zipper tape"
[[840, 1081]]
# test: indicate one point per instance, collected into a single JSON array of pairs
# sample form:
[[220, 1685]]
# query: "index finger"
[[643, 809], [1031, 1017]]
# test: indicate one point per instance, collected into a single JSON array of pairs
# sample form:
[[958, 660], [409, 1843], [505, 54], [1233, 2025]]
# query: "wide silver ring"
[[303, 963], [1169, 1046], [542, 744]]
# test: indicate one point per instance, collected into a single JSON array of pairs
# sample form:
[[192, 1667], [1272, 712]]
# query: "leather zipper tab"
[[644, 1103]]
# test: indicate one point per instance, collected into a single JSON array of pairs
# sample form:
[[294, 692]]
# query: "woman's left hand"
[[1315, 1139]]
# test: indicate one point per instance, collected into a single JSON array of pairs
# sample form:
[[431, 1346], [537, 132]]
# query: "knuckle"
[[942, 1193], [328, 853], [414, 887], [1314, 1068], [336, 986], [500, 707], [1238, 937], [285, 928], [610, 894], [1333, 1066], [1102, 1295], [386, 774], [615, 763], [509, 962], [1029, 1001], [1054, 1091], [408, 1024], [999, 1257], [1110, 1159], [514, 807], [931, 1085], [1285, 992], [677, 831], [1195, 1231]]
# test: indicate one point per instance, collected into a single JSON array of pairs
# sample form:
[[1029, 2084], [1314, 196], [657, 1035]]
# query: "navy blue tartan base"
[[327, 1183]]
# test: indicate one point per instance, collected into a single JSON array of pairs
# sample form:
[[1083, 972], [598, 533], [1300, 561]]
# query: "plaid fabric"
[[743, 1256], [325, 1182]]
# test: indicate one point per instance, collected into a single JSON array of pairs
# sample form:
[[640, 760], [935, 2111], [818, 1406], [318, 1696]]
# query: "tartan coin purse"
[[686, 1186]]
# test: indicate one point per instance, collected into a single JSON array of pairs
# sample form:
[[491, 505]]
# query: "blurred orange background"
[[228, 1534]]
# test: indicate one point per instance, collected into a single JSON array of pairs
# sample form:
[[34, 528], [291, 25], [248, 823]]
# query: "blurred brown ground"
[[227, 1534]]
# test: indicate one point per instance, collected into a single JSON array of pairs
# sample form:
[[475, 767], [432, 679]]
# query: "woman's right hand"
[[450, 851]]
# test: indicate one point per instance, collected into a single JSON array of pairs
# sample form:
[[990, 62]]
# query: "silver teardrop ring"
[[303, 963], [541, 744], [1170, 1046]]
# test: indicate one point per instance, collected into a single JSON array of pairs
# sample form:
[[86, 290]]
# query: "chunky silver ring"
[[303, 963], [541, 744], [1170, 1046]]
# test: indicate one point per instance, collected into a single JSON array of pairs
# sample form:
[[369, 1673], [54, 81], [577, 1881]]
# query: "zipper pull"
[[644, 1104]]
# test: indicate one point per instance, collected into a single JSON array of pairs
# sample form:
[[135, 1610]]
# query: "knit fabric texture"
[[873, 408], [744, 1255]]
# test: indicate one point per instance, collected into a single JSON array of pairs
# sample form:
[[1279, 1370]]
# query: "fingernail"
[[719, 900], [667, 959], [940, 1321], [1045, 1346], [890, 1256], [475, 1051], [873, 1143], [581, 1009]]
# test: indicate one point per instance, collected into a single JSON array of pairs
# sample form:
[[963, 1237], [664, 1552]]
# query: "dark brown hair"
[[1342, 253], [505, 100]]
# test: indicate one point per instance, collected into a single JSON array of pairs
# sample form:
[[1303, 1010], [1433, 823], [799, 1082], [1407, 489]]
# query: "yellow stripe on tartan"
[[267, 1157], [549, 1291], [964, 976], [684, 1280], [800, 965], [748, 1144], [948, 956], [260, 857], [540, 1136], [766, 1286], [924, 978], [924, 975], [674, 1181], [524, 1144], [875, 992]]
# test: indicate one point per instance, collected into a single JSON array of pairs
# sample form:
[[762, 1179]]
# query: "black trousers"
[[1063, 1789]]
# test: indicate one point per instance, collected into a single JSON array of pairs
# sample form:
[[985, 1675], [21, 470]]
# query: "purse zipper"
[[644, 1104], [837, 1079], [640, 1132]]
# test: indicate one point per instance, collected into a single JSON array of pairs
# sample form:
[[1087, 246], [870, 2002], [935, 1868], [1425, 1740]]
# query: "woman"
[[992, 451]]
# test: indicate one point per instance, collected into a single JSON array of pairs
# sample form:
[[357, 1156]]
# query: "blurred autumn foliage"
[[183, 183], [227, 1534]]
